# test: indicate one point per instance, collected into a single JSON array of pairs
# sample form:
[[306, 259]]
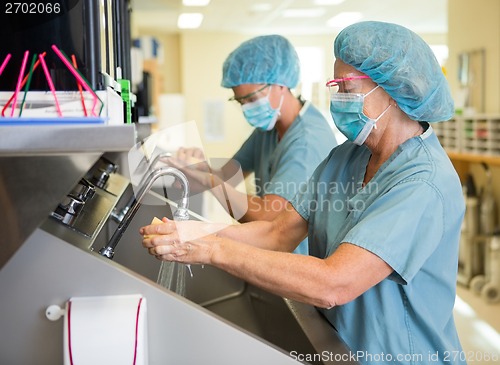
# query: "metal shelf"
[[63, 139]]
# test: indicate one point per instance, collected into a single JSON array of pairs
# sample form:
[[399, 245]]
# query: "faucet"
[[118, 214], [181, 213]]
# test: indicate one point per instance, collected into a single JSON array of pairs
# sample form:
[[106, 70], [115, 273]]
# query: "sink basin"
[[297, 328]]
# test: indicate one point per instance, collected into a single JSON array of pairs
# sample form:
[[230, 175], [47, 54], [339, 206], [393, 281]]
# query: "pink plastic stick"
[[19, 81], [51, 84], [22, 85], [73, 58], [4, 63], [77, 76]]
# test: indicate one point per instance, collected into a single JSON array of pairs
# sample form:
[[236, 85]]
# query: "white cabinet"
[[476, 134]]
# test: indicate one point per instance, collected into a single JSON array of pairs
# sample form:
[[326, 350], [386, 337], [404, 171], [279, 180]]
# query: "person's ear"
[[283, 89]]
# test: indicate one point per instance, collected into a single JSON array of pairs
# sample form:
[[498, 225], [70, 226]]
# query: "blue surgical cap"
[[402, 64], [269, 59]]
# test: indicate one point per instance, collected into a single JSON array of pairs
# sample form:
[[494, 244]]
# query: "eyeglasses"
[[240, 99], [345, 84], [336, 82]]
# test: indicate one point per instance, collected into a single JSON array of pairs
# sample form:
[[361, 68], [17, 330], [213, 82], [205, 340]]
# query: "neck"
[[385, 140], [290, 109], [391, 133]]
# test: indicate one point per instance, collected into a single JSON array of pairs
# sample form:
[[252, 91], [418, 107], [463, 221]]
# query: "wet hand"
[[188, 242]]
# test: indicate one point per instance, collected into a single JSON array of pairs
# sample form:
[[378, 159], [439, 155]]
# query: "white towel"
[[106, 330]]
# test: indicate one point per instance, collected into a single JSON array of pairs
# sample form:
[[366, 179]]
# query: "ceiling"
[[243, 16]]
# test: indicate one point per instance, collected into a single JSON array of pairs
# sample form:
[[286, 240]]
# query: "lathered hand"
[[188, 242]]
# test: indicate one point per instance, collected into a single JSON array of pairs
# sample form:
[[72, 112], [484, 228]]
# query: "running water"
[[180, 285], [170, 269], [173, 270], [166, 274]]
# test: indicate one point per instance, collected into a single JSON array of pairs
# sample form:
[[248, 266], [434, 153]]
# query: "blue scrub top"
[[409, 215], [281, 166]]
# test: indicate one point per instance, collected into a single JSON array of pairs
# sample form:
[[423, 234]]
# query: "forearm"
[[264, 208], [283, 233], [233, 201], [336, 280], [298, 277], [258, 234], [249, 208], [244, 207]]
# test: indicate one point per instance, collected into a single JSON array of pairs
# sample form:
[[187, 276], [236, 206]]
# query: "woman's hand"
[[189, 242]]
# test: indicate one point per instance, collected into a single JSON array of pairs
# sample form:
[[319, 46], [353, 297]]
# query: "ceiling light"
[[344, 19], [328, 2], [195, 2], [189, 20], [303, 13]]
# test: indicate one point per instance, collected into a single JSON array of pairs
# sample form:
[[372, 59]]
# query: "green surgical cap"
[[402, 64], [267, 59]]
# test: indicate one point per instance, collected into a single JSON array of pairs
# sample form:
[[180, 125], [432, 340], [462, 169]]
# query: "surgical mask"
[[347, 113], [260, 114]]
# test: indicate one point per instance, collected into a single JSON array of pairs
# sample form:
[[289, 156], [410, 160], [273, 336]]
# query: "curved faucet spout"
[[119, 214], [180, 214]]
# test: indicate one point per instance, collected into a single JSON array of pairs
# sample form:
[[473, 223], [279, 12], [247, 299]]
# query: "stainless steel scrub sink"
[[296, 328]]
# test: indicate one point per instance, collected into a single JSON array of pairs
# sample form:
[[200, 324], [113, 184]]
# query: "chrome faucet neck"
[[181, 213]]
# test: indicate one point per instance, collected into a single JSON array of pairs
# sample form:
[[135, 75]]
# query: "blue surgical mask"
[[347, 113], [260, 114]]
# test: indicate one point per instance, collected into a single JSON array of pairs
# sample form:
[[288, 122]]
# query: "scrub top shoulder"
[[282, 166], [409, 215]]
